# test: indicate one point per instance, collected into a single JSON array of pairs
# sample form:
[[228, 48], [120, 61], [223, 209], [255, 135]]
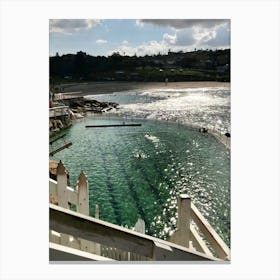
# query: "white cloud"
[[197, 37], [183, 23], [204, 35], [149, 48], [221, 38], [170, 39], [193, 33], [100, 41], [152, 47], [182, 40], [125, 42], [70, 25], [184, 37]]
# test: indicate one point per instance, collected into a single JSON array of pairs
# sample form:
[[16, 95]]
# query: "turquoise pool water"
[[138, 172]]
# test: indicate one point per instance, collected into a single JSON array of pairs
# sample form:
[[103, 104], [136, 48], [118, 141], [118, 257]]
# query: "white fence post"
[[62, 185], [184, 217], [182, 233], [83, 195], [140, 226], [62, 195], [83, 207]]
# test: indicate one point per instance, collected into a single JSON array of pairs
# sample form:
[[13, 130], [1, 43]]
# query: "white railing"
[[77, 231], [125, 241], [186, 234]]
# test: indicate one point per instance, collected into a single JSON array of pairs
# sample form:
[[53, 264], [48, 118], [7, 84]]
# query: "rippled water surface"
[[138, 172], [203, 107]]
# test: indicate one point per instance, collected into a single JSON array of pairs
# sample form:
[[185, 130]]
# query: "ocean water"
[[138, 172], [200, 107]]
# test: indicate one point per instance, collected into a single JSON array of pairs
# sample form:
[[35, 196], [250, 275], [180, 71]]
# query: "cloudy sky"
[[140, 37]]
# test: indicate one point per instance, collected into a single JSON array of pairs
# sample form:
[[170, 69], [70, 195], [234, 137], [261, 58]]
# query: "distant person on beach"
[[166, 81]]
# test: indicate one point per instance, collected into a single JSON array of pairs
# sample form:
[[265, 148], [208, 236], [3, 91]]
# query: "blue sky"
[[134, 36]]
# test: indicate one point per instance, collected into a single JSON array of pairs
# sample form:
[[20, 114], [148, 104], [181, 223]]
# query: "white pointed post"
[[140, 226], [183, 222], [182, 233], [83, 195], [62, 185], [83, 206], [62, 196]]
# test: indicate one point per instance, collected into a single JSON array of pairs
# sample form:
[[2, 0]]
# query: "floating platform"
[[114, 125]]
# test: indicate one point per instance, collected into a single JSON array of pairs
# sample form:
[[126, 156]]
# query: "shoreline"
[[95, 88]]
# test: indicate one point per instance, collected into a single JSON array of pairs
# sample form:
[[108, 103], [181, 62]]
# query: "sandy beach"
[[109, 87]]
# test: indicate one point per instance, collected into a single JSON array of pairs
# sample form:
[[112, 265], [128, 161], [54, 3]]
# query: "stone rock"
[[52, 171]]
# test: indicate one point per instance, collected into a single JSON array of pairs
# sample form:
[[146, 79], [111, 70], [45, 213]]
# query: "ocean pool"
[[138, 172]]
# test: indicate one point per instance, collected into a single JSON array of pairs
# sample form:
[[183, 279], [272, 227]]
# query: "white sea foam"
[[202, 107]]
